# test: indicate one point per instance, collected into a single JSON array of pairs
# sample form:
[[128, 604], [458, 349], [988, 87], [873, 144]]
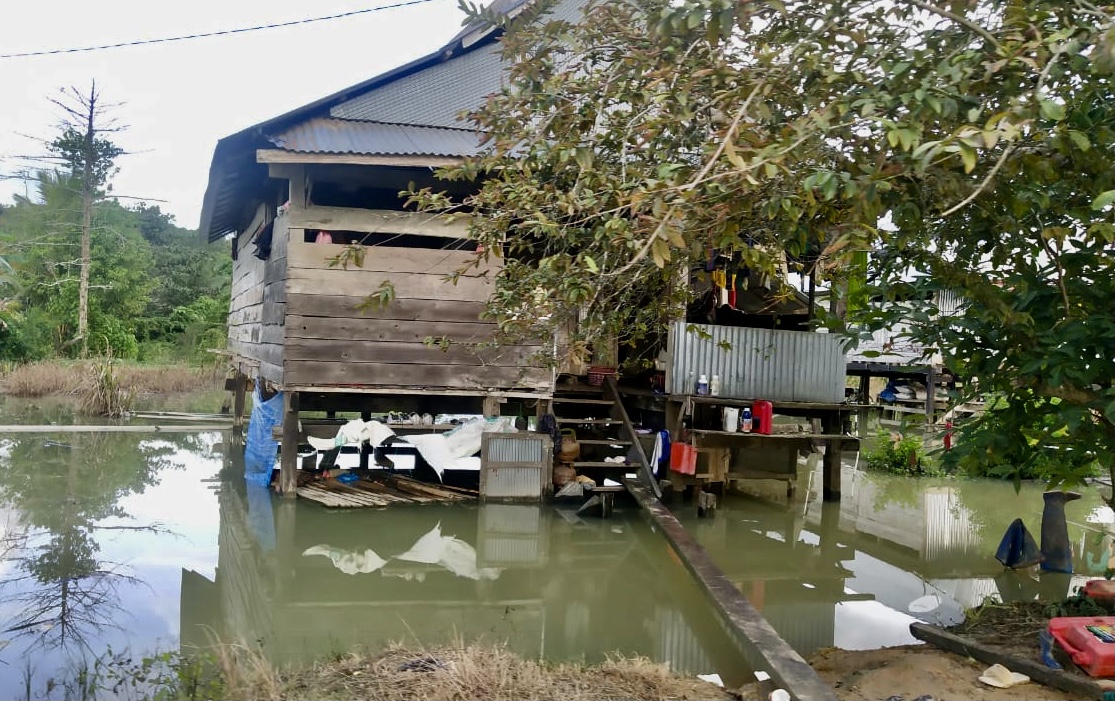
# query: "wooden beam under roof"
[[374, 221], [272, 155]]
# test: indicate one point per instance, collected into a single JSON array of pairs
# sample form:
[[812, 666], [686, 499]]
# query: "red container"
[[762, 412], [1100, 589], [1083, 638], [683, 458]]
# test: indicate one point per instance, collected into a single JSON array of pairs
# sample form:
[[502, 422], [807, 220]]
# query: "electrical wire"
[[223, 32]]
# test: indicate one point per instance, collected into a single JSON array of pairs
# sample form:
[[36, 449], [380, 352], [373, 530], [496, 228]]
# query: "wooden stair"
[[601, 422]]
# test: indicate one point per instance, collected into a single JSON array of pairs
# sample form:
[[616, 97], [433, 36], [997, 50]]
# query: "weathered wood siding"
[[329, 342], [257, 309]]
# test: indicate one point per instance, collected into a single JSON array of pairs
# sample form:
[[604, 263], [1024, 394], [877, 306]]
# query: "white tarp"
[[452, 450], [432, 548]]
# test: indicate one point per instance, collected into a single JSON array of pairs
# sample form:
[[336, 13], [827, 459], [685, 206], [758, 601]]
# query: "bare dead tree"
[[84, 147]]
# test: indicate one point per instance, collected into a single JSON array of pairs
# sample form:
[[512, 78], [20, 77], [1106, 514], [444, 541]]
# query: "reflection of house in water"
[[547, 583]]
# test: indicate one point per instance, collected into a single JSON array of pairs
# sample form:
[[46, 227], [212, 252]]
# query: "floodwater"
[[141, 543]]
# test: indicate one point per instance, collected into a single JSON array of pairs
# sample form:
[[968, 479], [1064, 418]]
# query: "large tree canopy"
[[968, 146]]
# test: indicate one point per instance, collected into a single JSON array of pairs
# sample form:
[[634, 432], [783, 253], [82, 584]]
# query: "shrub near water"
[[103, 393], [900, 455]]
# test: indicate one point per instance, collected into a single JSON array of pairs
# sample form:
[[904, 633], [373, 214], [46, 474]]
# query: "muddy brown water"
[[143, 543]]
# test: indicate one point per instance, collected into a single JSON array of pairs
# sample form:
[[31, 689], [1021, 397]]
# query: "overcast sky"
[[180, 98]]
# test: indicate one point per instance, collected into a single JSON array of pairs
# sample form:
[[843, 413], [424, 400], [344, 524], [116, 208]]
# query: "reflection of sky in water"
[[866, 625], [145, 566]]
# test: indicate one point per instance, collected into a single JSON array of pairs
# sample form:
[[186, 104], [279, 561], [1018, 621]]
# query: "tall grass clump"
[[104, 393], [57, 377], [42, 378]]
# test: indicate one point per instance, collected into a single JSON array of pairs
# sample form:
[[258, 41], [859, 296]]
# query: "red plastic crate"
[[683, 458], [1087, 649]]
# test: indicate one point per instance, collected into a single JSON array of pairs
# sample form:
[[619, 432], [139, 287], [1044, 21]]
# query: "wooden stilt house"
[[293, 192]]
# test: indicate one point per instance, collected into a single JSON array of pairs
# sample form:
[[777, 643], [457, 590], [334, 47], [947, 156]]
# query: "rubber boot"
[[1056, 551]]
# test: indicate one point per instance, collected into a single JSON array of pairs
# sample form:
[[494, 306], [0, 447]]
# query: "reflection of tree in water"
[[62, 591]]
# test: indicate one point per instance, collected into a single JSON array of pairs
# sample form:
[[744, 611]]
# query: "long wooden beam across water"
[[113, 428], [762, 646]]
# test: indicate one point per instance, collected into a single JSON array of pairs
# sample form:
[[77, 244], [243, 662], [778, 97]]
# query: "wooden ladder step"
[[580, 400], [595, 422], [603, 441]]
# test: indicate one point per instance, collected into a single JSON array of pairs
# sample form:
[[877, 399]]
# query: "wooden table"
[[834, 418]]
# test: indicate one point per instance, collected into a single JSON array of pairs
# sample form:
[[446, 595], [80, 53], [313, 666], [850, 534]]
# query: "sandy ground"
[[916, 670]]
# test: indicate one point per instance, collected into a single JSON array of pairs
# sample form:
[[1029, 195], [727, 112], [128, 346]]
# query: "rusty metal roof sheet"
[[325, 135]]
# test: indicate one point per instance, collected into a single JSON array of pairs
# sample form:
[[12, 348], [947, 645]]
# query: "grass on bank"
[[459, 671], [57, 377]]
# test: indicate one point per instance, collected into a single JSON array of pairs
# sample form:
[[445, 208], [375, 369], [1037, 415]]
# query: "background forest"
[[156, 292]]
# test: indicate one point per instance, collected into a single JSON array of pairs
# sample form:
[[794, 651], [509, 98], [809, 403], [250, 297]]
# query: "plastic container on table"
[[683, 458], [730, 416], [1089, 641], [763, 414]]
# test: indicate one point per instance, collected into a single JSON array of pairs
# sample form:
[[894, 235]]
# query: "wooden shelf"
[[582, 400], [795, 406], [776, 436]]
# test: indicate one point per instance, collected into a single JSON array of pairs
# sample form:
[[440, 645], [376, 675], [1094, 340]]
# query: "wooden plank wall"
[[257, 309], [329, 342]]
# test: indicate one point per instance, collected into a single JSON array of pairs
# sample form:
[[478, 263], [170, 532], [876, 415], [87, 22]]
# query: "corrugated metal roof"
[[434, 96], [324, 135]]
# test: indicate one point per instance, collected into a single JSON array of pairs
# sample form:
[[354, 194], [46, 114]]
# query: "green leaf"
[[1080, 139], [969, 156], [591, 264], [1103, 200], [1051, 110]]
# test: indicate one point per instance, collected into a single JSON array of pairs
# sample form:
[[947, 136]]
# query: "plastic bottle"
[[745, 421], [702, 384], [714, 386]]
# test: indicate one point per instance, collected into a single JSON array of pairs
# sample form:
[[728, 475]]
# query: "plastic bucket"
[[731, 418]]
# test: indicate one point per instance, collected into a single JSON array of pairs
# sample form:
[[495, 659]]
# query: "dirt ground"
[[916, 670], [912, 671]]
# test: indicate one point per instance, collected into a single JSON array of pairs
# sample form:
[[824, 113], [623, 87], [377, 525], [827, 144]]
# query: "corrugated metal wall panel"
[[513, 483], [758, 363], [515, 465], [819, 368], [515, 450]]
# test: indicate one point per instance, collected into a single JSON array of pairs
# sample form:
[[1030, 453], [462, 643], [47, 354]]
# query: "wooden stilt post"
[[491, 406], [288, 474], [239, 387], [864, 399], [365, 449], [830, 480], [930, 399]]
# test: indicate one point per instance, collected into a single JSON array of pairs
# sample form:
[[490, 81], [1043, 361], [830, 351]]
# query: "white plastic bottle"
[[702, 384], [714, 386]]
